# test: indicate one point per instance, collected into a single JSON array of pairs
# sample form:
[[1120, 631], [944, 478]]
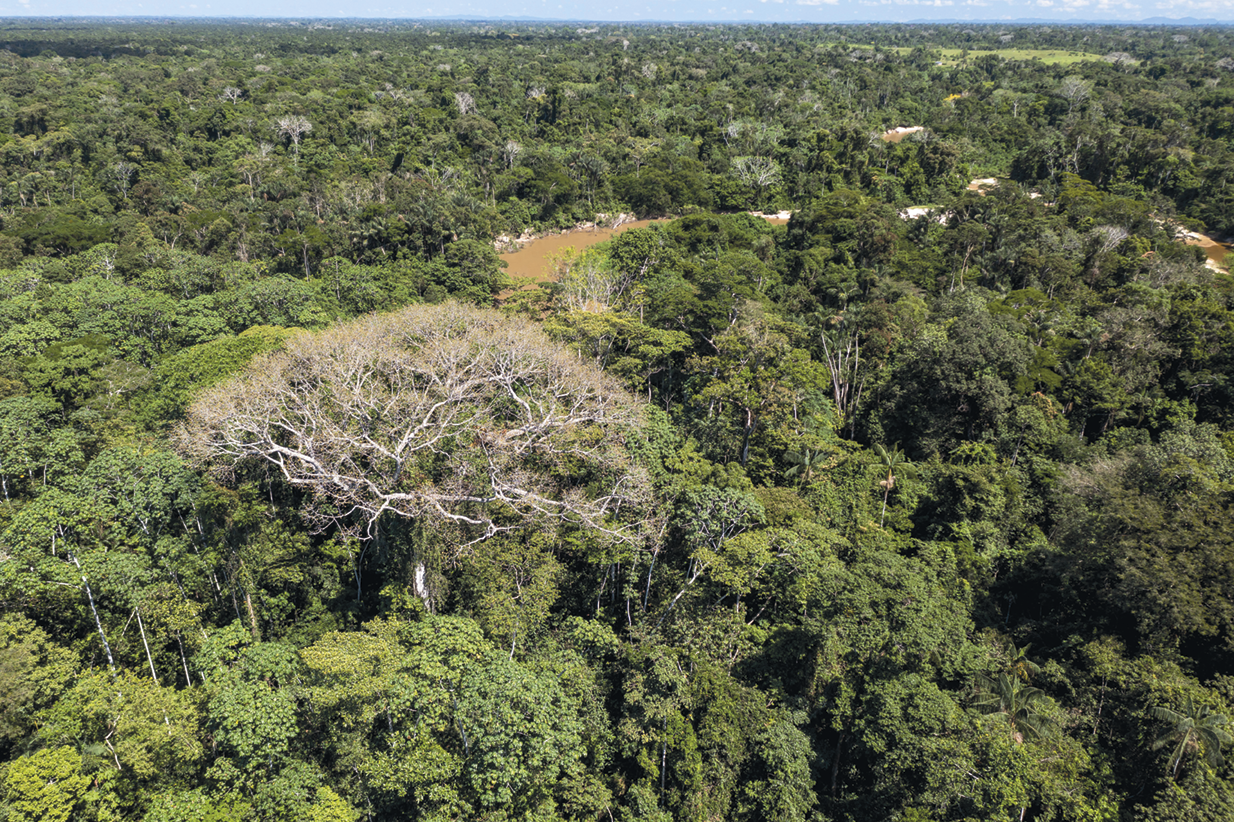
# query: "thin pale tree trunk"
[[111, 662], [146, 645]]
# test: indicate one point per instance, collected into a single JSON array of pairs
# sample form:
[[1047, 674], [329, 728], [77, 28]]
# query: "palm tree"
[[804, 463], [1195, 727], [896, 466], [1023, 706], [1020, 665]]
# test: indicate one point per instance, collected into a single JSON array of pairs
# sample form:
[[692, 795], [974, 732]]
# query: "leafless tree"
[[231, 93], [122, 172], [640, 149], [510, 152], [536, 96], [293, 128], [1106, 238], [443, 179], [1102, 240], [465, 102], [369, 125], [1075, 90], [395, 94], [589, 282], [842, 354], [471, 421], [757, 172]]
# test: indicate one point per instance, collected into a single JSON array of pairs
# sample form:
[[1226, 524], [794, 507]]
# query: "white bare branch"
[[468, 418], [293, 128], [465, 102], [758, 172]]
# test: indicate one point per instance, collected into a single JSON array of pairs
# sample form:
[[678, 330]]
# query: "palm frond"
[[1166, 714], [1195, 726]]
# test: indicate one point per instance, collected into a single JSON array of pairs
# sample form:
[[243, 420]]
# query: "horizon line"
[[1178, 22]]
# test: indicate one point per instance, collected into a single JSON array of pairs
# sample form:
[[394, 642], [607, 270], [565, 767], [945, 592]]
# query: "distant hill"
[[1042, 21], [1182, 21]]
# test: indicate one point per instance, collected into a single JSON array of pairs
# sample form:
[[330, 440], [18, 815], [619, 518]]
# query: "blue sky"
[[820, 11]]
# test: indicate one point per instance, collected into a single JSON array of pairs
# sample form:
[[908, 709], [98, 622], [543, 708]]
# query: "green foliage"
[[33, 674], [204, 365], [542, 599], [252, 703], [144, 731], [69, 373], [431, 712], [196, 806], [47, 785], [1198, 797]]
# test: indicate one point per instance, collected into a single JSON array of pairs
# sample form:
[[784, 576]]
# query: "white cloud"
[[1219, 7]]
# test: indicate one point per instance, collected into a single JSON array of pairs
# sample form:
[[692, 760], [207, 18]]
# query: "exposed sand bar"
[[898, 133]]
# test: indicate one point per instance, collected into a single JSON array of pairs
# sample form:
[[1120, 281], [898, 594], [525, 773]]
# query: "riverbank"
[[507, 244], [1215, 248], [527, 256]]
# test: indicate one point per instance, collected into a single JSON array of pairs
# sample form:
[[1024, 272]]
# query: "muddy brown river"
[[1216, 251], [532, 260]]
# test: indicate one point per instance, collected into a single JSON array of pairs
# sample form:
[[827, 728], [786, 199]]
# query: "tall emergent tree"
[[452, 415], [895, 465]]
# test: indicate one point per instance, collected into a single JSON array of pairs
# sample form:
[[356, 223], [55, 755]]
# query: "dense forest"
[[916, 507]]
